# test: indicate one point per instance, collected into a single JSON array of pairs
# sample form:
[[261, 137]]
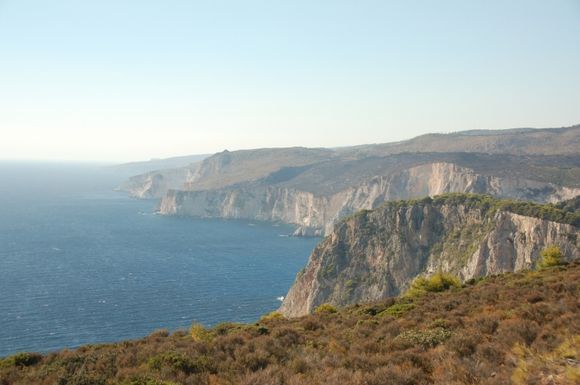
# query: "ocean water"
[[80, 263]]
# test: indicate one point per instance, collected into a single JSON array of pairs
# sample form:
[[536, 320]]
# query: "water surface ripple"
[[81, 264]]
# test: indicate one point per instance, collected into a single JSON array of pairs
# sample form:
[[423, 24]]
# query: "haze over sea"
[[80, 263]]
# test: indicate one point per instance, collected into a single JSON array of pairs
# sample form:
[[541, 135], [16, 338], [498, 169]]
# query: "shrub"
[[465, 343], [426, 338], [436, 283], [551, 256], [225, 328], [272, 316], [147, 381], [159, 333], [199, 333], [311, 324], [325, 308], [21, 359], [180, 362], [397, 309]]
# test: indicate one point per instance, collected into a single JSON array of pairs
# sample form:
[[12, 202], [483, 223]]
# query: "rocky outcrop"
[[316, 213], [375, 254], [155, 184]]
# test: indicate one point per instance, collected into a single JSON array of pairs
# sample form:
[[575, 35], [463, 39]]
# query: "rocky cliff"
[[375, 254], [155, 184], [315, 212], [312, 188]]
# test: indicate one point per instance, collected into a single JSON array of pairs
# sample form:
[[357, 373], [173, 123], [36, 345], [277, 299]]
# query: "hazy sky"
[[129, 80]]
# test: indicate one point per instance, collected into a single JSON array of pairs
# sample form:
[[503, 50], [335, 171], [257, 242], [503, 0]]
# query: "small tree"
[[199, 333], [550, 256], [325, 308], [436, 283]]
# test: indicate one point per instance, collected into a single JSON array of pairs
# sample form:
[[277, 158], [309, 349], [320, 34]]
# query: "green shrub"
[[425, 338], [397, 309], [272, 316], [21, 359], [436, 283], [551, 256], [325, 308], [199, 333]]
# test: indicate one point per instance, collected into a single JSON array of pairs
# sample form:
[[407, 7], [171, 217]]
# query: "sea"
[[81, 263]]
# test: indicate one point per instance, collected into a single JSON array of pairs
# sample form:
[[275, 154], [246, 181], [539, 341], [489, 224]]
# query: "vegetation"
[[509, 329], [199, 333], [551, 256], [556, 213], [436, 283], [325, 308], [271, 316], [566, 212], [398, 309], [21, 359]]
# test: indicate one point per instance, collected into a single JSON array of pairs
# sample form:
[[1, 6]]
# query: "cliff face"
[[315, 213], [377, 254], [313, 188], [155, 184]]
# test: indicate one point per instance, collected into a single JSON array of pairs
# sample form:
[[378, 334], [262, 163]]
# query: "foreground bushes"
[[510, 329]]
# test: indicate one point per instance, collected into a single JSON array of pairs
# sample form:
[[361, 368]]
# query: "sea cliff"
[[315, 214], [375, 254]]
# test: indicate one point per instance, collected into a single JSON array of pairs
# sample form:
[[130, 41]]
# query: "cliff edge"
[[376, 254]]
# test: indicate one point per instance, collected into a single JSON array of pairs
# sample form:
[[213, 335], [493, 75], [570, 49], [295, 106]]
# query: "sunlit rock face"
[[376, 254]]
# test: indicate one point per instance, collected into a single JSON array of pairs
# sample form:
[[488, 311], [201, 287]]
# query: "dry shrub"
[[465, 343], [515, 331]]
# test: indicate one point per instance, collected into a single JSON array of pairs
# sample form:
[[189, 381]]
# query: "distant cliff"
[[314, 213], [313, 188], [375, 254]]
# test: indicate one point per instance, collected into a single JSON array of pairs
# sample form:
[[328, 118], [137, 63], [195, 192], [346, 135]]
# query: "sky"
[[123, 80]]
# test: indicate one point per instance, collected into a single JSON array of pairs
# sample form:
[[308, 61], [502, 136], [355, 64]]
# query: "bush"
[[325, 308], [436, 283], [551, 256], [465, 343], [397, 309], [225, 328], [272, 316], [147, 381], [180, 362], [427, 338], [200, 333], [21, 359]]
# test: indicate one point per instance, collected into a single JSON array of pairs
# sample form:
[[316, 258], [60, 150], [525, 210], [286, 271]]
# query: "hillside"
[[508, 329], [518, 141], [376, 254], [314, 188]]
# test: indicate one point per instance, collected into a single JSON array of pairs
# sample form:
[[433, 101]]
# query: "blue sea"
[[81, 263]]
